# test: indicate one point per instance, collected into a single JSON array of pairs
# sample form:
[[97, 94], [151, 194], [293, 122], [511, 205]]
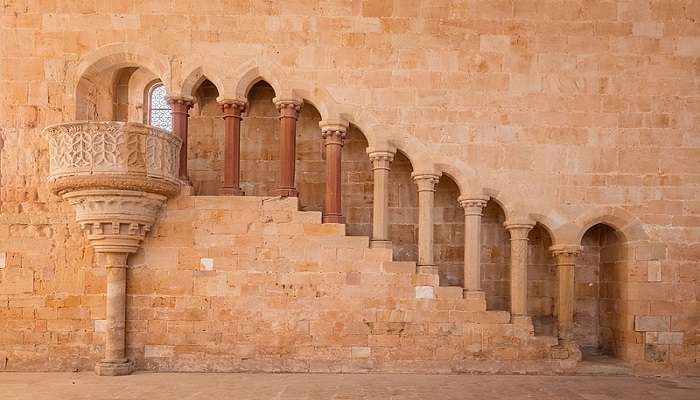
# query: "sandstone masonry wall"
[[570, 113]]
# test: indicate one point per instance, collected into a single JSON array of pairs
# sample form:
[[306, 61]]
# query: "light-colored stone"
[[651, 323]]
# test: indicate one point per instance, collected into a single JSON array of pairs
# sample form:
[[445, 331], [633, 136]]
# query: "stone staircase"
[[260, 262]]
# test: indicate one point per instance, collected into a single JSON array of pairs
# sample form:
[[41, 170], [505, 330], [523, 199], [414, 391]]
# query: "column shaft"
[[115, 361], [289, 113], [333, 136], [426, 203], [180, 113], [473, 207], [381, 165], [518, 266], [566, 261], [232, 146]]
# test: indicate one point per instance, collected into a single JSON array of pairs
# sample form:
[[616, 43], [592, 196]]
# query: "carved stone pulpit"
[[117, 176]]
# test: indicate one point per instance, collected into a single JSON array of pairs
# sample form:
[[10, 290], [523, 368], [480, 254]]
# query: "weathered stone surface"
[[647, 323], [582, 117]]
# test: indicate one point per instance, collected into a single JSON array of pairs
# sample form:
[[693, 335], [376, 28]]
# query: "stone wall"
[[569, 113], [252, 284]]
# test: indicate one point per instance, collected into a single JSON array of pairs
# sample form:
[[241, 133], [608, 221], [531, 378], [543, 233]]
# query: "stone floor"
[[150, 386]]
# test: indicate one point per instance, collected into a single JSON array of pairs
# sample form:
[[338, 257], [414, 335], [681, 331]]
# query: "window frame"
[[148, 120]]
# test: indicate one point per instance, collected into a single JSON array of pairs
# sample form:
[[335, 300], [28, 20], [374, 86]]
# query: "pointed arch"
[[196, 77], [250, 73]]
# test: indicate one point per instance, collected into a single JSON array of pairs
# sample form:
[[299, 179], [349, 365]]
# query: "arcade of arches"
[[347, 192]]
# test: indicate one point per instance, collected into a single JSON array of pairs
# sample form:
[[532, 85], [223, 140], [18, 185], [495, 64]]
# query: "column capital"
[[333, 133], [175, 101], [232, 107], [381, 159], [425, 182], [518, 229], [473, 205], [565, 254], [288, 107]]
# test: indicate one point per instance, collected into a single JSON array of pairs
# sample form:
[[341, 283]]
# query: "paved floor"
[[149, 386]]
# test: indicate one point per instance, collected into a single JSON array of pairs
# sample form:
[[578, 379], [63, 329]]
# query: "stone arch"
[[250, 73], [320, 99], [140, 85], [550, 222], [502, 200], [195, 78], [122, 55], [617, 218]]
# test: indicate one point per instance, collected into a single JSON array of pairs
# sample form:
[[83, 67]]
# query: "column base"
[[381, 244], [333, 219], [287, 192], [566, 350], [427, 269], [228, 191], [110, 368]]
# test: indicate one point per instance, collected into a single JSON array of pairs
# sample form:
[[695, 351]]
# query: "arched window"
[[158, 108]]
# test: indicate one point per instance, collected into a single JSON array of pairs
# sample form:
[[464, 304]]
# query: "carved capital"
[[233, 108], [180, 105], [565, 254], [115, 221], [426, 182], [288, 108], [473, 205], [333, 134], [519, 230], [381, 159]]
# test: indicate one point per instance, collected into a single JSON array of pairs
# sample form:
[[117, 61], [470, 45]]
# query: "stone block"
[[425, 280], [360, 352], [324, 229], [449, 292], [206, 264], [399, 267], [654, 271], [100, 325], [656, 353], [663, 337], [425, 292], [16, 281], [652, 323], [158, 351]]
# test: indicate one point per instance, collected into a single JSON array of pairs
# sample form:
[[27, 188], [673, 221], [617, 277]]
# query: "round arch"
[[617, 218], [122, 55]]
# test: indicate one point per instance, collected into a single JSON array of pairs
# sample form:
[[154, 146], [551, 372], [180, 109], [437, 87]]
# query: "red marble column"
[[232, 110], [333, 137], [289, 113], [179, 110]]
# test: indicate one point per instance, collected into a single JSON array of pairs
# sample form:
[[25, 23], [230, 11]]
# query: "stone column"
[[381, 165], [565, 256], [518, 266], [179, 108], [473, 207], [426, 202], [115, 361], [333, 138], [232, 110], [289, 113]]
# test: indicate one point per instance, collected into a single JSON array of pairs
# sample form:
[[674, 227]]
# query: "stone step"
[[244, 202], [325, 230], [449, 292], [399, 267]]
